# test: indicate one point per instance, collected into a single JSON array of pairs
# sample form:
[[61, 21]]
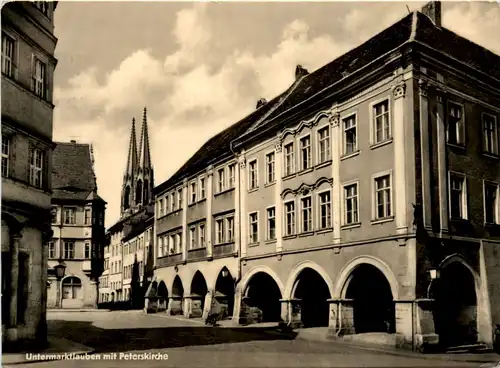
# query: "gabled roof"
[[220, 144], [73, 176]]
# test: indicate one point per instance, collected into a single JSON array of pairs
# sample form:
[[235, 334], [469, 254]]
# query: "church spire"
[[144, 152], [131, 168]]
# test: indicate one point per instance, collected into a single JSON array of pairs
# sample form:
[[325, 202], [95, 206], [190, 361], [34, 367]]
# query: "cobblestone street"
[[190, 344]]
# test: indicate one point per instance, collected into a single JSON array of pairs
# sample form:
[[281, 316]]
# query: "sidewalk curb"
[[76, 310], [87, 352], [398, 352]]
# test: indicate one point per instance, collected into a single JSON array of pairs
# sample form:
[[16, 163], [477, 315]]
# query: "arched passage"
[[199, 291], [372, 300], [313, 292], [177, 303], [162, 293], [224, 290], [263, 296], [455, 312]]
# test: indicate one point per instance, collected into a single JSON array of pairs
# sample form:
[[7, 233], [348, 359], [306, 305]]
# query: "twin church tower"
[[138, 178]]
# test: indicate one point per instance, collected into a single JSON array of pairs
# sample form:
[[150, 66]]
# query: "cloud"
[[200, 88]]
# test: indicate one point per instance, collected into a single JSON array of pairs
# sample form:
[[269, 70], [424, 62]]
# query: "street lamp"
[[60, 270], [225, 273]]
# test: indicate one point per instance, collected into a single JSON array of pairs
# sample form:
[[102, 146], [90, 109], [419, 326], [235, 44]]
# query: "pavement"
[[131, 338]]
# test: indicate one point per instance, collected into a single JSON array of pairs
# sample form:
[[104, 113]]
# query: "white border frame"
[[250, 162], [497, 204], [497, 131], [371, 115], [342, 132], [250, 227], [319, 128], [318, 209], [343, 206], [299, 200], [292, 143], [190, 197], [266, 177], [374, 177], [202, 178], [447, 106], [299, 150], [285, 202], [267, 223]]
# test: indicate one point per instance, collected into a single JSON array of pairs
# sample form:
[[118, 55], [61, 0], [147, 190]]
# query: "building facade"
[[28, 65], [78, 228], [128, 249], [362, 195]]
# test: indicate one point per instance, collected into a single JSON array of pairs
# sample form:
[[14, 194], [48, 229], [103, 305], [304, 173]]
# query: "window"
[[254, 227], [178, 242], [52, 250], [88, 216], [39, 78], [290, 218], [8, 55], [305, 153], [253, 176], [490, 134], [36, 167], [202, 188], [193, 193], [491, 203], [325, 210], [458, 197], [71, 288], [171, 244], [69, 216], [179, 198], [69, 249], [220, 180], [306, 210], [43, 6], [324, 144], [172, 201], [270, 167], [202, 235], [219, 230], [351, 204], [166, 204], [232, 172], [381, 122], [87, 250], [271, 224], [230, 229], [289, 159], [383, 197], [192, 238], [350, 135], [456, 125], [5, 156]]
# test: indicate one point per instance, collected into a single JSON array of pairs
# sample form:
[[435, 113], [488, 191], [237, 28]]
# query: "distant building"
[[130, 239], [365, 198], [28, 64], [78, 226]]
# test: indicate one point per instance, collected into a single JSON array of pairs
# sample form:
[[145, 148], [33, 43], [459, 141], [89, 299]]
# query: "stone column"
[[208, 303], [209, 217], [404, 323], [441, 156], [243, 209], [425, 333], [187, 301], [47, 234], [336, 147], [346, 317], [14, 277], [333, 322], [237, 305], [400, 208], [425, 153], [278, 168], [184, 219]]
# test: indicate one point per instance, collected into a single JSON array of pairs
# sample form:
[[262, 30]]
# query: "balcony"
[[197, 253], [169, 260], [225, 249]]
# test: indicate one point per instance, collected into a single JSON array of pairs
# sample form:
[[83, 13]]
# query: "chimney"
[[73, 141], [261, 102], [300, 72], [433, 11]]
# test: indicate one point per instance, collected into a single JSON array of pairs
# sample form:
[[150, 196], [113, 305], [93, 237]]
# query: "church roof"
[[131, 167], [144, 151], [73, 176]]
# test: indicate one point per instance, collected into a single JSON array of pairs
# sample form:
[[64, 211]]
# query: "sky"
[[199, 67]]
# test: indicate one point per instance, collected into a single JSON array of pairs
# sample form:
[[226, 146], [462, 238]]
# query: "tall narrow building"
[[128, 240]]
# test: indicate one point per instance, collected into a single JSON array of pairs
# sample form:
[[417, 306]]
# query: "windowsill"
[[324, 164], [353, 154], [382, 220], [306, 234], [253, 244], [350, 226], [291, 236], [222, 244], [491, 155], [195, 249], [381, 144], [224, 192], [15, 82], [459, 220], [306, 171], [271, 241], [324, 231], [269, 184], [456, 146], [253, 190], [289, 176]]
